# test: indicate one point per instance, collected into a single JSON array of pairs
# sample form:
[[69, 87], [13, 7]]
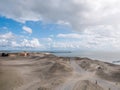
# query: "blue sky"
[[41, 31], [60, 25]]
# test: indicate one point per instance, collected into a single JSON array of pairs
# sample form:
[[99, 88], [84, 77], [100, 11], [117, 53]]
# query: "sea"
[[111, 57]]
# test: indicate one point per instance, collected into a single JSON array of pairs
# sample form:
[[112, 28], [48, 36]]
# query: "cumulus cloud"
[[77, 13], [34, 43], [103, 38], [8, 35], [97, 20], [9, 40], [27, 29], [5, 39], [4, 43]]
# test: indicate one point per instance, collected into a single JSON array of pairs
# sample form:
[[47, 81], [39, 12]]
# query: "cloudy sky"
[[60, 24]]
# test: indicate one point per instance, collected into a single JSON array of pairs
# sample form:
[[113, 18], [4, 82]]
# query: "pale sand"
[[48, 72]]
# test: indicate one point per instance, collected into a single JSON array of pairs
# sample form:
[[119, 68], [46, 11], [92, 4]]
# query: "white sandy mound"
[[86, 85]]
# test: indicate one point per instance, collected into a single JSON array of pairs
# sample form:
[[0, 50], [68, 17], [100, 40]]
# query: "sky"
[[60, 25]]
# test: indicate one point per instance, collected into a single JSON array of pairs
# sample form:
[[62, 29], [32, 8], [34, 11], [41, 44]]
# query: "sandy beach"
[[43, 71]]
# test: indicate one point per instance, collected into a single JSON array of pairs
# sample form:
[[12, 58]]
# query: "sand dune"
[[40, 71]]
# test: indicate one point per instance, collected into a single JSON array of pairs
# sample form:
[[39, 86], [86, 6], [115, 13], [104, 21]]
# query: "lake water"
[[102, 56]]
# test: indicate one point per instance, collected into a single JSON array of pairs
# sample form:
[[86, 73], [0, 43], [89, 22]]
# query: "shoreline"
[[117, 62]]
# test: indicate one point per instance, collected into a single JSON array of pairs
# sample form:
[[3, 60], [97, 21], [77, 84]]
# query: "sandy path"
[[88, 76], [78, 75], [105, 84], [81, 74], [76, 67]]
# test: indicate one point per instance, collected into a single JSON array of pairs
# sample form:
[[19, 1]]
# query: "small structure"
[[25, 54], [13, 54], [4, 54], [99, 67]]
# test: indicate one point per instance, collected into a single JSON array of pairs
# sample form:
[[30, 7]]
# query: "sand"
[[40, 71]]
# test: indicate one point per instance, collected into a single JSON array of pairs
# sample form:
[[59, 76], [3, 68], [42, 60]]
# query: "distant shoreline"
[[17, 51], [106, 57]]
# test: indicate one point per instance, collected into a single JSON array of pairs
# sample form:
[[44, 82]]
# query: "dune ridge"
[[44, 71]]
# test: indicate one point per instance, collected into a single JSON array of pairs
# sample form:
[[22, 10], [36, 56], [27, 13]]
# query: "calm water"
[[103, 56]]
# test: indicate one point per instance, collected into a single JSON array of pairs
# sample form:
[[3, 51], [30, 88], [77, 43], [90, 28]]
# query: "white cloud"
[[61, 22], [47, 39], [102, 37], [5, 39], [77, 13], [15, 44], [64, 45], [99, 20], [34, 43], [4, 43], [72, 35], [9, 40], [27, 29], [8, 35]]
